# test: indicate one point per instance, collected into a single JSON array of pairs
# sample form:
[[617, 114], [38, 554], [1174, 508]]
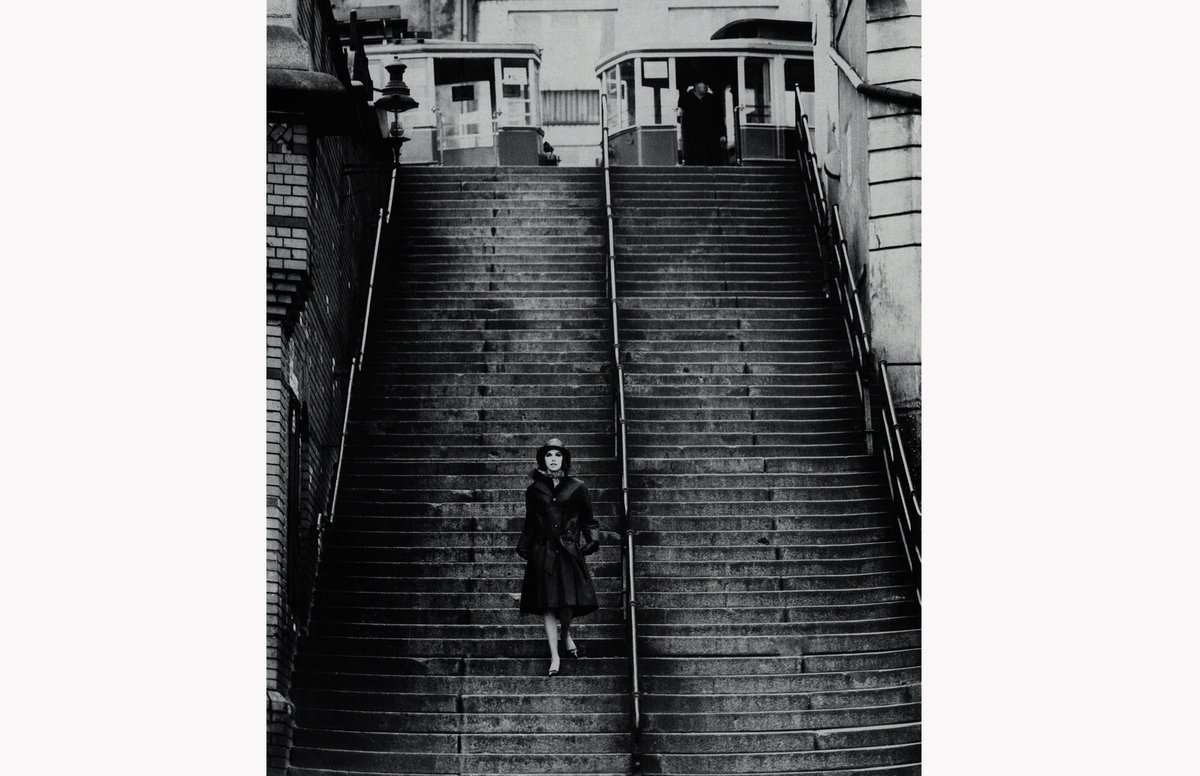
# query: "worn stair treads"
[[489, 334], [779, 628]]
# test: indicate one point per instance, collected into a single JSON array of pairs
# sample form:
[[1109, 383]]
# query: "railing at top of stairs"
[[621, 449], [843, 288]]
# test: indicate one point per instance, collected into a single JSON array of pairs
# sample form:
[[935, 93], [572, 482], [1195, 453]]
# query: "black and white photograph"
[[617, 469], [615, 353]]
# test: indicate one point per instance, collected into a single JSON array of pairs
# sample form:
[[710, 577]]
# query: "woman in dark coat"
[[559, 531]]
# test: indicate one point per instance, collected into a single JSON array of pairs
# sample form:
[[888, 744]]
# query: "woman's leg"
[[551, 623], [564, 616]]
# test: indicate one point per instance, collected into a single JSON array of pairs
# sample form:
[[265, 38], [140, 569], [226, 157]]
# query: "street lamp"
[[396, 99]]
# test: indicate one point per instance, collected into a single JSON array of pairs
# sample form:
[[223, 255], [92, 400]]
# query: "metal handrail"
[[842, 286], [831, 241], [899, 475], [356, 364], [621, 450]]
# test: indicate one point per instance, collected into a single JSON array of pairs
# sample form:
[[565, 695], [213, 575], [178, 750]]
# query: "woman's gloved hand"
[[591, 547]]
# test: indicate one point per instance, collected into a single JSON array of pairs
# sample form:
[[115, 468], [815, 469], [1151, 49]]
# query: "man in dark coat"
[[703, 119]]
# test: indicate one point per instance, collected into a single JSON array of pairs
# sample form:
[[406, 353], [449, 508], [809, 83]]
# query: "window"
[[628, 94], [756, 99], [464, 102], [799, 72], [516, 108], [656, 104]]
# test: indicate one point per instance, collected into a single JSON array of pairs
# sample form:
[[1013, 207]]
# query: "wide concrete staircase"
[[779, 624], [489, 335]]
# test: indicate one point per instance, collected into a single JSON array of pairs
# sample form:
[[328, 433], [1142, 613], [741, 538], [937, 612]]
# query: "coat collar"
[[568, 484]]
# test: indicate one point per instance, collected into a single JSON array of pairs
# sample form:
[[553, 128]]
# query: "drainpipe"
[[882, 93]]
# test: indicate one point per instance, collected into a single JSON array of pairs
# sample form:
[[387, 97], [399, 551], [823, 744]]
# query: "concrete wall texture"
[[873, 154]]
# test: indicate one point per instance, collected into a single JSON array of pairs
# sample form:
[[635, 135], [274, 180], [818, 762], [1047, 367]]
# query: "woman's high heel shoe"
[[553, 671]]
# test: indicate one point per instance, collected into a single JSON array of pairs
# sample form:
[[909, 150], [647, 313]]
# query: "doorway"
[[720, 73]]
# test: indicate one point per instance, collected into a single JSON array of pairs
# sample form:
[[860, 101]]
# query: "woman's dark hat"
[[554, 443]]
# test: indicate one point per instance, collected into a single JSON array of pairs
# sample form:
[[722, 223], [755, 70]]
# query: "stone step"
[[687, 307], [480, 556], [596, 633], [431, 448], [531, 308], [347, 613], [760, 681], [685, 570], [588, 353], [656, 495], [650, 384], [567, 287], [649, 554], [831, 403], [464, 647], [712, 322], [745, 414], [467, 685], [551, 191], [387, 412], [874, 735], [779, 664], [530, 740], [838, 442], [718, 623], [564, 371], [765, 540], [717, 519], [566, 426], [462, 394], [397, 509], [486, 667], [749, 364], [812, 763], [448, 724], [678, 646], [389, 762], [865, 618], [649, 581], [776, 509], [358, 591], [681, 464], [512, 470], [789, 722], [577, 229], [508, 272]]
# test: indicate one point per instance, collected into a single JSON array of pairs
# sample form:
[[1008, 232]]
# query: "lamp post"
[[396, 99]]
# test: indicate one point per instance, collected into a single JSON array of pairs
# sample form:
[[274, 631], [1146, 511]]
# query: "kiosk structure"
[[478, 103], [752, 78]]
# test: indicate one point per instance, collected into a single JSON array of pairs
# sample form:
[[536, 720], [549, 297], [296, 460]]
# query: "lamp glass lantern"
[[397, 98]]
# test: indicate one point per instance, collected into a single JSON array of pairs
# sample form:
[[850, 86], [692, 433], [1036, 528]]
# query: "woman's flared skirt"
[[567, 583]]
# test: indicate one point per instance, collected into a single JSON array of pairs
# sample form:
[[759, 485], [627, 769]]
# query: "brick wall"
[[320, 232], [320, 229]]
